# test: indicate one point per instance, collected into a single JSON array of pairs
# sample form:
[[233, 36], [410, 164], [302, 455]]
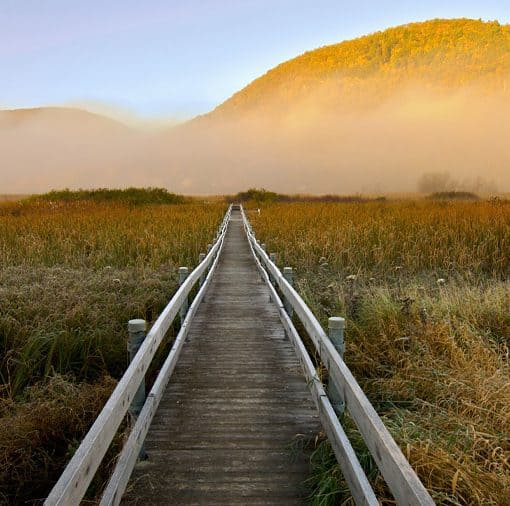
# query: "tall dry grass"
[[71, 276], [87, 234], [425, 288]]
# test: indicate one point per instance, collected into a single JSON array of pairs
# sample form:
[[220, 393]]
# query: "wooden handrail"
[[112, 494], [74, 481], [359, 485], [396, 470]]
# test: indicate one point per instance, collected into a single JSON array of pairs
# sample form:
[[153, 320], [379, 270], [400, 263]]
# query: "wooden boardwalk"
[[236, 403]]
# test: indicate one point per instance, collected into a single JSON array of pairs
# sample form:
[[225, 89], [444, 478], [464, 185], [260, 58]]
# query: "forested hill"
[[369, 115], [439, 54]]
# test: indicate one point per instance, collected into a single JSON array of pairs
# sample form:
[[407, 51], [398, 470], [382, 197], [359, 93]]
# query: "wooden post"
[[209, 247], [137, 329], [202, 277], [263, 246], [336, 326], [288, 275], [272, 257], [183, 274]]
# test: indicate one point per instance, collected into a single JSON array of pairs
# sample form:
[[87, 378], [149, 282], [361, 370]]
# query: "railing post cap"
[[336, 322], [287, 269], [137, 325], [183, 269]]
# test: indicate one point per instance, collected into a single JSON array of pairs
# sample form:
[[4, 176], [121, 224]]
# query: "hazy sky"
[[180, 58]]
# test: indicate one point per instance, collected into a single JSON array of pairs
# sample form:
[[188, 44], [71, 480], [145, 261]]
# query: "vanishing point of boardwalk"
[[236, 403]]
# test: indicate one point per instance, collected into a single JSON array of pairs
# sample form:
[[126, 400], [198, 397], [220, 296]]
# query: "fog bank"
[[314, 146]]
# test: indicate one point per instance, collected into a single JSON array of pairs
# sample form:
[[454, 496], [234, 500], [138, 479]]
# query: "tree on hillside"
[[439, 182], [432, 182]]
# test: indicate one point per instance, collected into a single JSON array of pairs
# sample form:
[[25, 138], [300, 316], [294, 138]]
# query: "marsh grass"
[[73, 321], [39, 435], [71, 275], [426, 293]]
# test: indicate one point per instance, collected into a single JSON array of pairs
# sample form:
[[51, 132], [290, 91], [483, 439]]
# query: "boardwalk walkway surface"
[[237, 400]]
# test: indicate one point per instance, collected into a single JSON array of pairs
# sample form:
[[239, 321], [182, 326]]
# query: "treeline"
[[264, 196], [143, 196], [444, 182], [132, 196], [453, 195], [445, 53]]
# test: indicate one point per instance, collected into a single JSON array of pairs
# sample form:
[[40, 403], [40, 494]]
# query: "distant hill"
[[370, 115], [58, 117], [439, 54], [55, 147]]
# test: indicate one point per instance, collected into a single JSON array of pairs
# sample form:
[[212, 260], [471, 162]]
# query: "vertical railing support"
[[183, 274], [272, 257], [201, 258], [137, 330], [289, 276], [209, 247], [336, 327]]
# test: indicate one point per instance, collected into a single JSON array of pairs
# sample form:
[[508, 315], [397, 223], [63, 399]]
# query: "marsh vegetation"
[[425, 288], [72, 273]]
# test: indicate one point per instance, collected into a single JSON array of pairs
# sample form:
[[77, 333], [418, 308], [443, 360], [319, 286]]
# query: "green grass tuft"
[[132, 196]]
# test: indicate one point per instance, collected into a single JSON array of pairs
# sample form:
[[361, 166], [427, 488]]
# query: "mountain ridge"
[[371, 114], [21, 114], [435, 43]]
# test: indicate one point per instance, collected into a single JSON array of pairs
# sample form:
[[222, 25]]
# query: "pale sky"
[[160, 58]]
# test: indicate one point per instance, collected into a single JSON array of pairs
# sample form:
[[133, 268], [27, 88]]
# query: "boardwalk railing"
[[396, 470], [74, 481]]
